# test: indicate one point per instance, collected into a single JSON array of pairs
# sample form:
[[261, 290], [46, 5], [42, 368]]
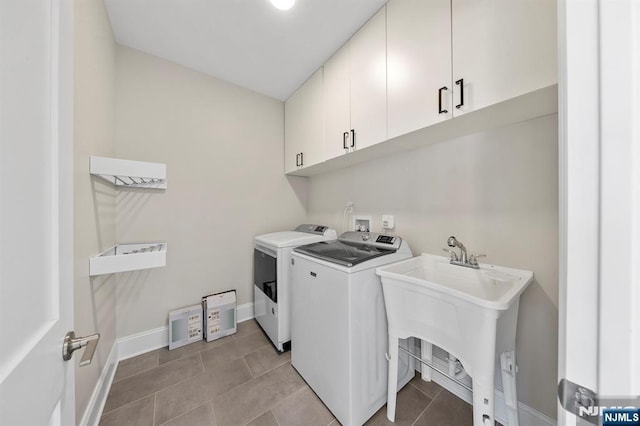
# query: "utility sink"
[[471, 313], [491, 287]]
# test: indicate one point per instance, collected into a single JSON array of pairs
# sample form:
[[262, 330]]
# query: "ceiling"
[[247, 42]]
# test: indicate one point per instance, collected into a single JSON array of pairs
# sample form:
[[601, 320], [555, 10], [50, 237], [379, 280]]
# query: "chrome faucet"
[[453, 243], [462, 260]]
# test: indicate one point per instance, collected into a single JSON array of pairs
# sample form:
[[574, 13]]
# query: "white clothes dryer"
[[272, 285]]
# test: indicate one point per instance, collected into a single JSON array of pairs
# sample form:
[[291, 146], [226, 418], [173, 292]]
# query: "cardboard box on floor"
[[219, 315]]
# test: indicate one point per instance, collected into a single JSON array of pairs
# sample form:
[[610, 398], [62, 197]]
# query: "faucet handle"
[[473, 259], [452, 255]]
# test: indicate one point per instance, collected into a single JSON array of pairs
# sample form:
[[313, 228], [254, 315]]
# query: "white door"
[[36, 257], [337, 104], [418, 64], [501, 49], [599, 94], [304, 125], [368, 82]]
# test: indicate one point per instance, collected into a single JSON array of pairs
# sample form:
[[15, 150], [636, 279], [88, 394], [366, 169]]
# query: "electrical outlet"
[[388, 221]]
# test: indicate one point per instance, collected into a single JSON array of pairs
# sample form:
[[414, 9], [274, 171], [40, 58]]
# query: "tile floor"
[[243, 380]]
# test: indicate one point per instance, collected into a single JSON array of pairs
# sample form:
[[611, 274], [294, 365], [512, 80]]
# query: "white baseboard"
[[245, 312], [150, 340], [94, 409], [143, 342]]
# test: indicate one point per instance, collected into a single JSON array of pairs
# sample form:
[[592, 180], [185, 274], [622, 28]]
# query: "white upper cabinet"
[[449, 57], [423, 65], [418, 64], [369, 82], [304, 125], [337, 104], [501, 49], [355, 90]]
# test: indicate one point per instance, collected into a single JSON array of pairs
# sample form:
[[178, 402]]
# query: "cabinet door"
[[418, 64], [369, 82], [502, 49], [336, 102], [304, 125]]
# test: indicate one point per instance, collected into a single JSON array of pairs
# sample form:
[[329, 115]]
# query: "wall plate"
[[362, 223]]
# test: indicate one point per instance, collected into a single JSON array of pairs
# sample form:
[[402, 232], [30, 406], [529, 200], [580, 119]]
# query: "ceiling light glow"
[[283, 4]]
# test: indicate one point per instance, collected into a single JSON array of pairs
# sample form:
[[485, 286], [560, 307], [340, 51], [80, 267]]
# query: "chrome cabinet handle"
[[440, 90], [73, 343], [345, 136], [301, 159], [353, 138], [461, 84]]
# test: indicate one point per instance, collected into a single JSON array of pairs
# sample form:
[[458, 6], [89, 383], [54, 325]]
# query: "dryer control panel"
[[312, 229]]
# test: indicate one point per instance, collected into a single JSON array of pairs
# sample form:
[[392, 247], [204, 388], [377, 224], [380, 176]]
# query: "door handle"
[[461, 84], [301, 159], [353, 138], [440, 90], [73, 343], [345, 136]]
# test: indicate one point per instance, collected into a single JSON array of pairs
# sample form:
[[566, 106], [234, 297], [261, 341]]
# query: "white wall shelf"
[[129, 257], [129, 173]]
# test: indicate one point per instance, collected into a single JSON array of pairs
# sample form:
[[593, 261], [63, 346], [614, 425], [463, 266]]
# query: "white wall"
[[497, 193], [94, 202], [223, 146]]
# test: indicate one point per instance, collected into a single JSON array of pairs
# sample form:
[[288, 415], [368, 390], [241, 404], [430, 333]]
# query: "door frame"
[[65, 96], [599, 182]]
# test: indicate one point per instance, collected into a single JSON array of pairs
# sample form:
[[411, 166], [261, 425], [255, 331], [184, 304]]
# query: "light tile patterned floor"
[[243, 380]]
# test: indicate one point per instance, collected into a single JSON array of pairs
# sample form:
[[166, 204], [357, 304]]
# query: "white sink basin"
[[492, 287], [470, 313]]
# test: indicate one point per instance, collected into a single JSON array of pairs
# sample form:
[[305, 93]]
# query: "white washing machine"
[[339, 325], [272, 285]]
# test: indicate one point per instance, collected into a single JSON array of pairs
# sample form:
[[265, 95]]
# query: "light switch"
[[388, 221]]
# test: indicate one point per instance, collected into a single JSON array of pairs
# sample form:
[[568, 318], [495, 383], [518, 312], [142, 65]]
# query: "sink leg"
[[508, 364], [392, 385], [483, 403], [426, 350]]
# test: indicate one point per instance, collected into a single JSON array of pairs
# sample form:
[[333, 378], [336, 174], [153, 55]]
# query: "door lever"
[[73, 343]]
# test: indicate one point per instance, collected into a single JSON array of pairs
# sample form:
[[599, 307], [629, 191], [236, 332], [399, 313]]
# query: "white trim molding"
[[157, 338], [101, 390], [143, 342]]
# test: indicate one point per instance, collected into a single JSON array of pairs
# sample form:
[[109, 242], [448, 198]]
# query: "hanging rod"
[[147, 249], [464, 385], [128, 173]]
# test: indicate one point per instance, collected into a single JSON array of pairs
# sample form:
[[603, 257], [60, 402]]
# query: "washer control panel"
[[385, 241], [312, 229]]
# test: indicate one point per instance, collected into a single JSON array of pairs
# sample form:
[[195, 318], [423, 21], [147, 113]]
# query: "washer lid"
[[293, 238], [342, 252]]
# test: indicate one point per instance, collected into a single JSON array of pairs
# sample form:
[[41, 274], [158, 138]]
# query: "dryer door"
[[264, 274], [265, 291]]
